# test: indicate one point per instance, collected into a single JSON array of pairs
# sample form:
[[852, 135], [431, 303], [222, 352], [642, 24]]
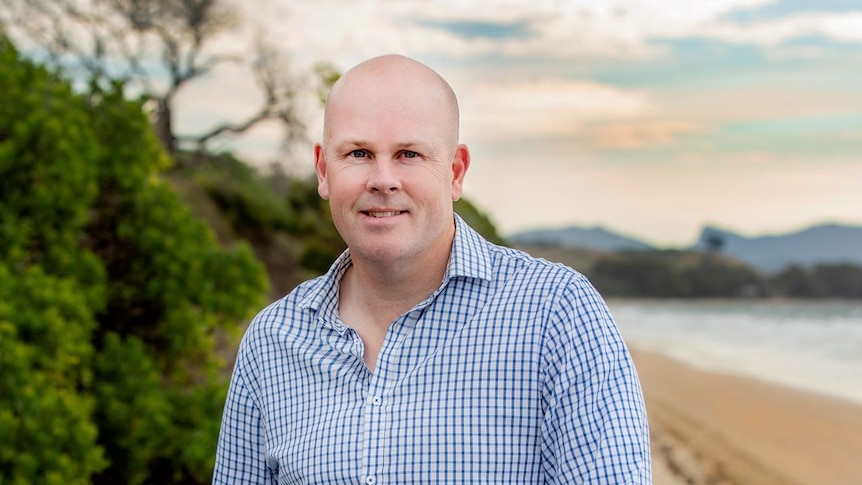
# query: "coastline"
[[718, 428]]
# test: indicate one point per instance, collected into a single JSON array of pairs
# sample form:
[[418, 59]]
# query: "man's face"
[[391, 168]]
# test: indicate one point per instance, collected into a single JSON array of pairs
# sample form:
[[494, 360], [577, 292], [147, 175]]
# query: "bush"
[[112, 294]]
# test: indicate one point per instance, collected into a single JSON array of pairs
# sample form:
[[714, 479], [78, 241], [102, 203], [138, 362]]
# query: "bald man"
[[426, 354]]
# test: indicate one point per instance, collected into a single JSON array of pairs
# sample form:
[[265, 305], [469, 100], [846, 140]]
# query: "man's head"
[[390, 163], [394, 71]]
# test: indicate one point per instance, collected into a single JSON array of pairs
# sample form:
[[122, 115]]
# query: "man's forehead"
[[366, 142], [393, 80], [392, 67], [406, 99]]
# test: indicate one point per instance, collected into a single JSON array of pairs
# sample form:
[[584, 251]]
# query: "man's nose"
[[384, 176]]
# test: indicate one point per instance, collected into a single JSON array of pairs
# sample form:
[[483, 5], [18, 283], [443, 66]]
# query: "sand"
[[711, 428]]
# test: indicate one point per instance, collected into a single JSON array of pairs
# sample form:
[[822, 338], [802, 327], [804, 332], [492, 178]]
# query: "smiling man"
[[426, 354]]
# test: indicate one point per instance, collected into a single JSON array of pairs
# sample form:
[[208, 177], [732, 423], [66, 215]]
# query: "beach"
[[715, 428]]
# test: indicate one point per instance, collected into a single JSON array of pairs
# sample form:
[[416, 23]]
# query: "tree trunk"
[[164, 130]]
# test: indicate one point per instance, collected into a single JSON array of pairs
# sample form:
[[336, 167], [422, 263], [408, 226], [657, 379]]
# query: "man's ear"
[[320, 169], [460, 164]]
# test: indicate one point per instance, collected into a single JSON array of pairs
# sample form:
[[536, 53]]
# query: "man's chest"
[[464, 407]]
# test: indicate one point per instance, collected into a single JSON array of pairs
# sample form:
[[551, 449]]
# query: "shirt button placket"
[[374, 425]]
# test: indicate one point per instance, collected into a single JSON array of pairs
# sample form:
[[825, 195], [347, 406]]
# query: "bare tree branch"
[[279, 101], [156, 47]]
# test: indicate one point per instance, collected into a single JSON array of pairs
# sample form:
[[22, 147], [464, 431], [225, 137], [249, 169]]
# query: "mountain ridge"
[[595, 237], [827, 242]]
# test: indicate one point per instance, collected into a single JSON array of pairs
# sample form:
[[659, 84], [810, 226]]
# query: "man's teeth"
[[384, 214]]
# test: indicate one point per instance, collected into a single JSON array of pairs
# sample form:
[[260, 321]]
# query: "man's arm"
[[595, 428], [241, 455]]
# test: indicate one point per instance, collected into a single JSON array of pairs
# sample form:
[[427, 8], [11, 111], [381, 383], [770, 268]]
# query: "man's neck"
[[372, 297], [388, 291]]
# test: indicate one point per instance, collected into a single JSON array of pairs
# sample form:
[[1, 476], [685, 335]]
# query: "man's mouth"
[[383, 213]]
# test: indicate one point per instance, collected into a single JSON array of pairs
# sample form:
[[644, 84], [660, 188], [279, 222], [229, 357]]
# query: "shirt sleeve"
[[241, 454], [595, 428]]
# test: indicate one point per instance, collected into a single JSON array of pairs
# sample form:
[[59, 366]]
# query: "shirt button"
[[376, 400], [370, 480]]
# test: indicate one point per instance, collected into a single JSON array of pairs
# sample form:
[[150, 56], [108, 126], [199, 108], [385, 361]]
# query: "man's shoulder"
[[522, 276], [527, 266], [291, 308]]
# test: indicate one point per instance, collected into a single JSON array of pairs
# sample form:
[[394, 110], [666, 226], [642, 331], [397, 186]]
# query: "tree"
[[157, 48], [478, 220], [714, 243], [113, 297], [45, 419], [674, 274], [825, 280], [50, 286]]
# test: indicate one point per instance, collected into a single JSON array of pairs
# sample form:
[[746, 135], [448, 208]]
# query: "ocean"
[[809, 345]]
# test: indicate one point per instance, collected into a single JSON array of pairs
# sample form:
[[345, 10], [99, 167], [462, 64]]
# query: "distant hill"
[[828, 243], [595, 238]]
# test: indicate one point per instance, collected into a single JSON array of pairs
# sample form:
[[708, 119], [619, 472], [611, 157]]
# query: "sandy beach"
[[710, 428]]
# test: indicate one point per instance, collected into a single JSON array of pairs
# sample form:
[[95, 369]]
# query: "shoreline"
[[709, 427]]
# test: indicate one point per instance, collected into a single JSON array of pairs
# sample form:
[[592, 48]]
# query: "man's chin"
[[382, 252]]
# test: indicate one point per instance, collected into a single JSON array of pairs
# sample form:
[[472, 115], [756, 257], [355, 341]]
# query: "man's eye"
[[409, 154], [358, 154]]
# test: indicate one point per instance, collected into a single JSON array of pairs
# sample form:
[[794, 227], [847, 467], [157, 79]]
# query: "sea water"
[[810, 345]]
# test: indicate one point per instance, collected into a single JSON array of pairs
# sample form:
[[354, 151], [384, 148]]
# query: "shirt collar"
[[471, 254], [470, 258]]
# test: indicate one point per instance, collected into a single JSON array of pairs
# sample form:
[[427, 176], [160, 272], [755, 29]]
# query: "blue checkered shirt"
[[513, 371]]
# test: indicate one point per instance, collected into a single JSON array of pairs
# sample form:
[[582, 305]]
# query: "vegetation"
[[478, 220], [674, 274], [689, 274], [834, 280], [112, 294], [282, 217]]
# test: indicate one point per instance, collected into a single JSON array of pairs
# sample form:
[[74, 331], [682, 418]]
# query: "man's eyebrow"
[[350, 142], [410, 144], [355, 142]]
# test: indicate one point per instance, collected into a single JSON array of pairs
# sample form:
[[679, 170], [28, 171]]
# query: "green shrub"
[[111, 294]]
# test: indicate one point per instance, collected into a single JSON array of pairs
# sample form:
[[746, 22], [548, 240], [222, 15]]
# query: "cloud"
[[587, 113], [348, 31], [480, 29], [638, 133], [551, 107], [844, 27]]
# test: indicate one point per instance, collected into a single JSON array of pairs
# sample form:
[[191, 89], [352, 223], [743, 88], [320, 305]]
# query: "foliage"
[[833, 280], [688, 274], [45, 418], [112, 294], [171, 287], [673, 274], [477, 220], [47, 180], [254, 210], [282, 217], [321, 243]]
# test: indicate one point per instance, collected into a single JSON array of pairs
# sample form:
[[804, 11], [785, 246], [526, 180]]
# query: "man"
[[426, 354]]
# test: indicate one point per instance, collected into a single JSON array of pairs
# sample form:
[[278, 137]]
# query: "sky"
[[648, 118]]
